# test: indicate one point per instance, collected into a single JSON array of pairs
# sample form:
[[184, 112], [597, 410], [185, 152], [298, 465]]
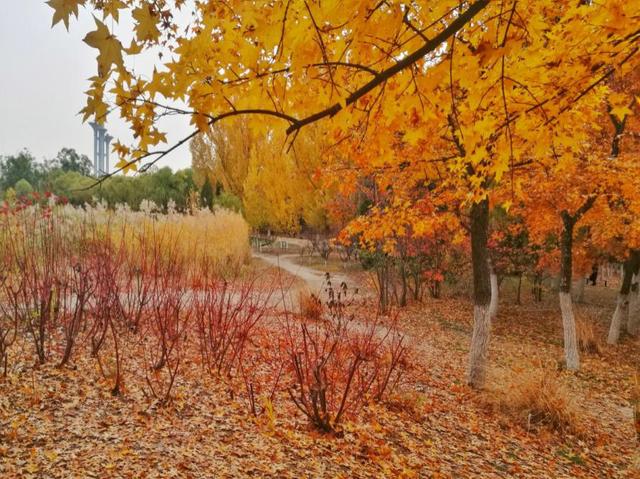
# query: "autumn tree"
[[276, 182], [465, 90]]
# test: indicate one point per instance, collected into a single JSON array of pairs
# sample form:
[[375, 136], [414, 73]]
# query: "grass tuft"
[[535, 397]]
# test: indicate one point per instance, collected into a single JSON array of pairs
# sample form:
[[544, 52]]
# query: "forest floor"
[[65, 423]]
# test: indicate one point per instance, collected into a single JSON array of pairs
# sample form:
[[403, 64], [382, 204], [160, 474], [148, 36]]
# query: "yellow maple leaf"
[[107, 44], [620, 112], [63, 9], [126, 166], [112, 9], [146, 23], [134, 48], [620, 104]]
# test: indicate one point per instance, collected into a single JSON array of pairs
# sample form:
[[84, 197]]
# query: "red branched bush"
[[337, 365], [226, 314]]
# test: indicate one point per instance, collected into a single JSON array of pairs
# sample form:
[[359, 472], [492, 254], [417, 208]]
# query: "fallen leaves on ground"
[[65, 423]]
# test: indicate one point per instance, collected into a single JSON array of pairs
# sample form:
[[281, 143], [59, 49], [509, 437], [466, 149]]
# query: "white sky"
[[43, 77]]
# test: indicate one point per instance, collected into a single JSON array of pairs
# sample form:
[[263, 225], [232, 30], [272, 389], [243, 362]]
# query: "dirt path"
[[314, 279]]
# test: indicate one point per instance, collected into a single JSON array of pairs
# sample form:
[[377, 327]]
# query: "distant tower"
[[107, 142], [101, 141]]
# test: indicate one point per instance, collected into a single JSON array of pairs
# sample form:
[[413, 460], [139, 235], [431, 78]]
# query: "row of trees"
[[69, 175], [232, 168]]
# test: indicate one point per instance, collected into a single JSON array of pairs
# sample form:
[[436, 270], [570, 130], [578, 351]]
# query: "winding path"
[[313, 278]]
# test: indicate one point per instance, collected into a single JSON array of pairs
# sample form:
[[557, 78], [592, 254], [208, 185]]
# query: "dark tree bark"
[[481, 294], [571, 354]]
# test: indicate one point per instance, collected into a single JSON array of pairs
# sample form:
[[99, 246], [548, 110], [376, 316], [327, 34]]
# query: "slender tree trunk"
[[633, 321], [572, 357], [403, 279], [495, 289], [537, 288], [624, 310], [622, 302], [481, 294], [519, 288]]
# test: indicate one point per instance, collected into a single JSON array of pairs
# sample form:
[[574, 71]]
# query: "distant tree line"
[[69, 175]]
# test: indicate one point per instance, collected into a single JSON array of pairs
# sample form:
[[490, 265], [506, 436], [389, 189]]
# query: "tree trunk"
[[633, 321], [518, 301], [481, 294], [493, 280], [571, 355], [403, 279], [537, 288], [622, 303], [622, 310]]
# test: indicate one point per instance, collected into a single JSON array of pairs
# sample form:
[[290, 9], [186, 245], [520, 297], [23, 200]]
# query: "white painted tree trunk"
[[633, 319], [493, 305], [479, 344], [621, 312], [571, 355]]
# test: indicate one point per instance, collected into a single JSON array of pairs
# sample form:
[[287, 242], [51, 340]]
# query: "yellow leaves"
[[501, 167], [620, 104], [134, 48], [487, 52], [146, 23], [63, 9], [621, 112], [200, 121], [96, 105], [126, 165], [111, 8], [121, 149], [51, 455], [108, 45]]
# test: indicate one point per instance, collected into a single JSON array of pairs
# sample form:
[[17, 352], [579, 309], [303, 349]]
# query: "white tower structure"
[[101, 141]]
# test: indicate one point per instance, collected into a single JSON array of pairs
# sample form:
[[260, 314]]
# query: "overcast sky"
[[43, 77]]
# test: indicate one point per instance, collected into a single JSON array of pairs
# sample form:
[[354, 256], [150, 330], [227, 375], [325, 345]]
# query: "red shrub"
[[339, 364]]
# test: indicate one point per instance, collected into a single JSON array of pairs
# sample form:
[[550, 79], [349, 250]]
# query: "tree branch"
[[407, 61]]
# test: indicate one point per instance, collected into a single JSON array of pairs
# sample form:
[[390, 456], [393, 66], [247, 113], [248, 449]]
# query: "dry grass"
[[588, 338], [635, 401], [310, 305], [411, 403], [216, 239], [535, 396]]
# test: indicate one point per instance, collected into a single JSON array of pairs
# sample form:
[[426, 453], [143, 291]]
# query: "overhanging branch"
[[385, 75]]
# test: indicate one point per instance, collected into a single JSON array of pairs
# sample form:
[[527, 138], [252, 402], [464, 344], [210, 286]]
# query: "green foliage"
[[72, 185], [228, 201], [10, 195], [68, 175], [23, 187], [206, 194], [69, 160], [22, 166]]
